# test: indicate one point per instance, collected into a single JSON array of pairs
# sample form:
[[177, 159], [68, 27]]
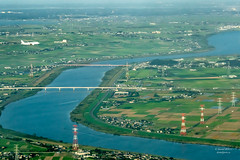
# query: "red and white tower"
[[75, 138], [183, 127], [202, 115]]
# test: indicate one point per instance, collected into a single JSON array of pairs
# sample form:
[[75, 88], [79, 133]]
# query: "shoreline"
[[47, 81], [44, 80], [114, 130], [86, 114], [15, 136], [88, 109]]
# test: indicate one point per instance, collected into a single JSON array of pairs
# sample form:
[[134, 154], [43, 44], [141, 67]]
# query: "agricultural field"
[[83, 38], [171, 90], [79, 38], [110, 36]]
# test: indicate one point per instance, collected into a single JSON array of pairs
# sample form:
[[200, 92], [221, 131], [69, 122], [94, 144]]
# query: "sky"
[[71, 1], [113, 2], [97, 1], [84, 3]]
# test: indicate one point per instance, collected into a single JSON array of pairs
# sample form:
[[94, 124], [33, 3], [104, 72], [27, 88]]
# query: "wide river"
[[46, 114]]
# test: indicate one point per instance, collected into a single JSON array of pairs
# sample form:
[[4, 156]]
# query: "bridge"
[[95, 65], [73, 88]]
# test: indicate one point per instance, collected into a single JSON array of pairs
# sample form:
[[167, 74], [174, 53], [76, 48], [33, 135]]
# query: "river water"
[[46, 114]]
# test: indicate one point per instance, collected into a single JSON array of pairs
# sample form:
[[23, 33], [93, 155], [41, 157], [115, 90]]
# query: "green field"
[[112, 36], [162, 107], [98, 38], [179, 90]]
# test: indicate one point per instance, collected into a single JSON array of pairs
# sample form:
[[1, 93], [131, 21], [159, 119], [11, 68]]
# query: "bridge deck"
[[95, 65], [31, 88]]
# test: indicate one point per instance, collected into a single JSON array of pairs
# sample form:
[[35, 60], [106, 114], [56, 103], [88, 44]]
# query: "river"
[[46, 114]]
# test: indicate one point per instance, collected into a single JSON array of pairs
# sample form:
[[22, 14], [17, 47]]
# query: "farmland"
[[181, 89], [76, 38], [154, 113]]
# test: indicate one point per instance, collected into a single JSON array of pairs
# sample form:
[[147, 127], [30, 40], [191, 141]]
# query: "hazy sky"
[[72, 1], [95, 1], [103, 2]]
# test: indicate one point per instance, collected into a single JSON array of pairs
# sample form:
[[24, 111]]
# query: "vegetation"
[[85, 36], [43, 80], [157, 113]]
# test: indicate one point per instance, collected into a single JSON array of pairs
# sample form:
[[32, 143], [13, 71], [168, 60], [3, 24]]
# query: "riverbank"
[[48, 77], [86, 113], [87, 74], [39, 147], [34, 141], [44, 80]]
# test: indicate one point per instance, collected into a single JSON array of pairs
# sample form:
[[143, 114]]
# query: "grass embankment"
[[29, 144], [17, 137], [86, 113]]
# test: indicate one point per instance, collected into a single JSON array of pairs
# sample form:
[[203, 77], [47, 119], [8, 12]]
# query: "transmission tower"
[[233, 99], [202, 114], [183, 126], [31, 71], [75, 138], [228, 69], [163, 72], [16, 152], [127, 71], [219, 105]]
